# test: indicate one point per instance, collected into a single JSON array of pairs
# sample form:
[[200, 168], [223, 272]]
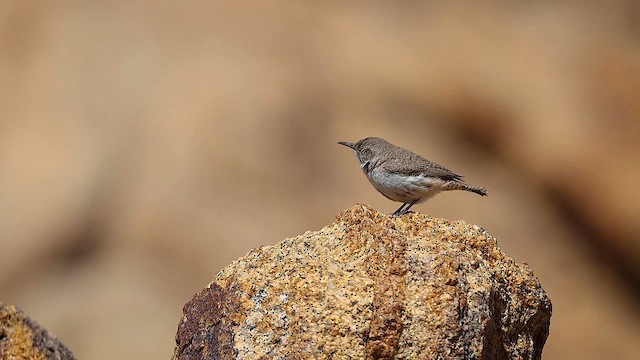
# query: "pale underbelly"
[[404, 188]]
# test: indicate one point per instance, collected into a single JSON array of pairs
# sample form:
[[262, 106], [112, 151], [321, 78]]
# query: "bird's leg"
[[399, 211], [406, 210]]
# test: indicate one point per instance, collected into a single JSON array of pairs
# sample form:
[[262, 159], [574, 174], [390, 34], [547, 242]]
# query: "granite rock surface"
[[22, 338], [371, 286]]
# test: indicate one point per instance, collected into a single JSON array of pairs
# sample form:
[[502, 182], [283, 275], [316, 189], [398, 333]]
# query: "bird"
[[404, 176]]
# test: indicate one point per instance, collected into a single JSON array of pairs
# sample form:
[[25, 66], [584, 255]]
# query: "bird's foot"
[[402, 212], [405, 210]]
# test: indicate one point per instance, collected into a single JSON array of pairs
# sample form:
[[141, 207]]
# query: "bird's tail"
[[459, 185], [478, 190]]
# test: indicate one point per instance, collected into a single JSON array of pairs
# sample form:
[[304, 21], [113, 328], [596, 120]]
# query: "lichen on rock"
[[23, 338], [371, 286]]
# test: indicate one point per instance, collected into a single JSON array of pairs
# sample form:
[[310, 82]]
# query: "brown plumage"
[[404, 176]]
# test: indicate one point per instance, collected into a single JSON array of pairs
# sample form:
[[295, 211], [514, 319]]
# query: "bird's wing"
[[417, 165]]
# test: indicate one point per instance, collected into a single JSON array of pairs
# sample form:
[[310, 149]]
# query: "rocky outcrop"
[[371, 286], [23, 338]]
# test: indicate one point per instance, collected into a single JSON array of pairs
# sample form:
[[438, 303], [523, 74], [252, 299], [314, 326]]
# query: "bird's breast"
[[402, 188]]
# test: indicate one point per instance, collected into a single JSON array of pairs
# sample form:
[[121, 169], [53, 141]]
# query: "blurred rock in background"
[[22, 338], [143, 146]]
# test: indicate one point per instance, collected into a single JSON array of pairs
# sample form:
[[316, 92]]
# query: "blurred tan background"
[[144, 145]]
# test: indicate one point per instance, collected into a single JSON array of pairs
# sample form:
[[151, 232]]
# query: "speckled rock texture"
[[21, 338], [371, 286]]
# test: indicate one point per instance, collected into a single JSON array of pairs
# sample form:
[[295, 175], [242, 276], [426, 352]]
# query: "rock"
[[23, 338], [371, 286]]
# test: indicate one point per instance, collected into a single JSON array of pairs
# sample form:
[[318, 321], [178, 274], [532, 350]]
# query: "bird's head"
[[367, 149]]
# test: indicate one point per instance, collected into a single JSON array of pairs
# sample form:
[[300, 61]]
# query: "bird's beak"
[[347, 144]]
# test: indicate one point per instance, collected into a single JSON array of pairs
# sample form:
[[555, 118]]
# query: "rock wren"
[[403, 176]]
